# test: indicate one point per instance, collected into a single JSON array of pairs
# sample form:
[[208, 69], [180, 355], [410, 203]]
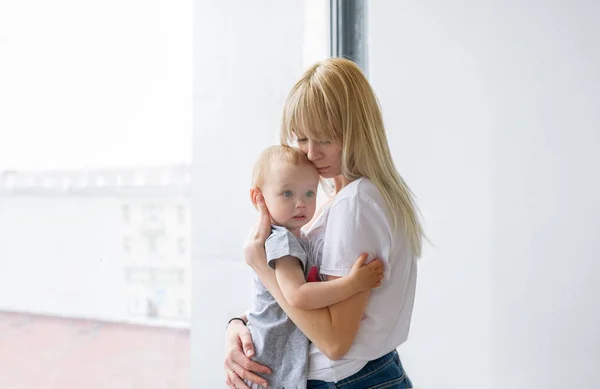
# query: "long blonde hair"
[[334, 101]]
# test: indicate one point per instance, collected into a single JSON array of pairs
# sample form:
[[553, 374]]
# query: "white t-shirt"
[[356, 222]]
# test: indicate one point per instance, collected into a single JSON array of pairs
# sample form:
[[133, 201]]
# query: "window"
[[153, 227], [117, 103], [96, 104], [126, 212], [181, 214], [127, 245], [182, 307], [151, 308], [182, 246]]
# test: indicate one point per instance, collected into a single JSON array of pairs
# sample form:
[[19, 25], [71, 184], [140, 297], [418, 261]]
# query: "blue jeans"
[[385, 372]]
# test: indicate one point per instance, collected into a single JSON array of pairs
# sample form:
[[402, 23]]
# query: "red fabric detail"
[[313, 275]]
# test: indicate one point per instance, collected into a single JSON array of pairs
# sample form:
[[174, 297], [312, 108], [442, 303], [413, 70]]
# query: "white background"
[[492, 116], [492, 110]]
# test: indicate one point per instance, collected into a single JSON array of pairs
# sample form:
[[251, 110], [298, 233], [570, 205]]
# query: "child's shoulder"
[[279, 232]]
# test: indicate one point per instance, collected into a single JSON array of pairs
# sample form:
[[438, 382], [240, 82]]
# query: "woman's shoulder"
[[358, 191], [361, 199]]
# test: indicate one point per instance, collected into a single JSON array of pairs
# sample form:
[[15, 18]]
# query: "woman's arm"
[[331, 329]]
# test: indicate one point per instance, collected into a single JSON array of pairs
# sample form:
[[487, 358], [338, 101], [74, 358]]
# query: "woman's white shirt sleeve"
[[355, 226]]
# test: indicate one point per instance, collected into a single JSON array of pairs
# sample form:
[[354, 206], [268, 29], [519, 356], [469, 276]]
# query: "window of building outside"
[[95, 136], [95, 158], [182, 245], [181, 214], [126, 245], [126, 213]]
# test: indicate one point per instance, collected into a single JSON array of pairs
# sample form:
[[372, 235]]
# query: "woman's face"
[[326, 156]]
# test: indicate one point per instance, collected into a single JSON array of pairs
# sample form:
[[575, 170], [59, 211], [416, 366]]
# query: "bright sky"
[[95, 84]]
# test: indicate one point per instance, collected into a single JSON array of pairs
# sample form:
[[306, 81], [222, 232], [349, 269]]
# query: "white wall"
[[492, 109], [247, 56]]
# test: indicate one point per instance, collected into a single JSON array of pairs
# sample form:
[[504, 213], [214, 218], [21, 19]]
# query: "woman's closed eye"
[[321, 142]]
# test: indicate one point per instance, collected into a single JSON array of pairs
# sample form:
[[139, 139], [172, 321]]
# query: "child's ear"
[[253, 193]]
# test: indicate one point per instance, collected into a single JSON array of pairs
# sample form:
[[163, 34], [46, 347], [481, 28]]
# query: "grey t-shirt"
[[278, 343]]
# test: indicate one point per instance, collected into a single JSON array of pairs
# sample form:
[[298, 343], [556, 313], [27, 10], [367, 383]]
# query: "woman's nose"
[[313, 151]]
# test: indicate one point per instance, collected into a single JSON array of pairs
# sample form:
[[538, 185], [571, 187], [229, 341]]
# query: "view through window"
[[95, 152]]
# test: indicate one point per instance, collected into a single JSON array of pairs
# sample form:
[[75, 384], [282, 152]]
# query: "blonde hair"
[[272, 154], [333, 101]]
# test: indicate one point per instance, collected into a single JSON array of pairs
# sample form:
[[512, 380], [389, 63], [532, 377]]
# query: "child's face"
[[290, 194]]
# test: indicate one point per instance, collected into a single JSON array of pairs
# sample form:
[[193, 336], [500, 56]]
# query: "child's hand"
[[366, 277]]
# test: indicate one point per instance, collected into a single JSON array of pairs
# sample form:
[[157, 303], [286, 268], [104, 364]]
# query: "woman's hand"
[[238, 351], [254, 248]]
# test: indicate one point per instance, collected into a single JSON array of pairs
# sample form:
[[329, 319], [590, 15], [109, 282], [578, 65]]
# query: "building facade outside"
[[109, 244]]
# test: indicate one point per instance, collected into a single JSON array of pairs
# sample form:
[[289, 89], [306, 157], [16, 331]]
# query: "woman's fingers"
[[235, 379], [264, 222], [260, 202], [238, 366], [247, 344], [237, 356], [262, 229], [229, 383], [247, 375]]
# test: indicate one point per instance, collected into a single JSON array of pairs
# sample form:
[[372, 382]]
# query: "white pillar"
[[247, 55]]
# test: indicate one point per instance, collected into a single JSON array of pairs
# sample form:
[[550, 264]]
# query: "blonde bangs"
[[309, 113]]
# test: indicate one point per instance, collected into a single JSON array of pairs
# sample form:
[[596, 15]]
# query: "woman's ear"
[[253, 193]]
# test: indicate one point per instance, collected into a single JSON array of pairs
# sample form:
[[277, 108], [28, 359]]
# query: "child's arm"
[[313, 295]]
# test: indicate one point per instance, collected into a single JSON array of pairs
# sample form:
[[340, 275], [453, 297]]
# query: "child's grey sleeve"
[[282, 243]]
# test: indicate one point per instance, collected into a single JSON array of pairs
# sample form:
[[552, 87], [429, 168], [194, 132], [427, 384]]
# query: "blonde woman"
[[333, 116]]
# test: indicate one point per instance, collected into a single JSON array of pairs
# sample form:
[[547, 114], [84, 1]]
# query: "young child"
[[288, 182]]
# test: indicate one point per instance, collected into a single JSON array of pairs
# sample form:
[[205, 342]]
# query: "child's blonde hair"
[[333, 101], [273, 154]]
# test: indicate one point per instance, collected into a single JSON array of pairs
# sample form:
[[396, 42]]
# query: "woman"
[[333, 115]]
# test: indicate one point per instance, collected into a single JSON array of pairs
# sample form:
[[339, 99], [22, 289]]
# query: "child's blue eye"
[[287, 193], [310, 193]]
